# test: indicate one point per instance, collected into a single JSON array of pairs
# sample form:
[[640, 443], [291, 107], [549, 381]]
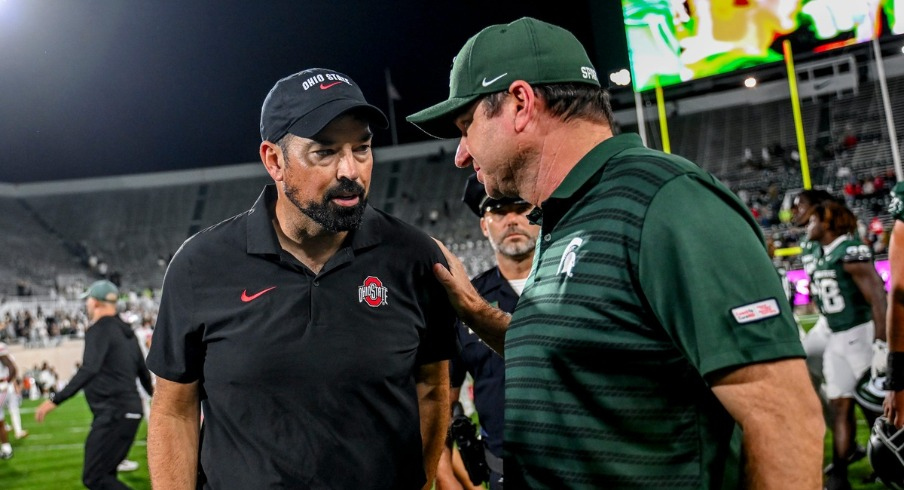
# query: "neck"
[[563, 146], [306, 240], [102, 311], [514, 267], [828, 238]]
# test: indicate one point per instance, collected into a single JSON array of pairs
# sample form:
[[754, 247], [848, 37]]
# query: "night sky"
[[94, 88]]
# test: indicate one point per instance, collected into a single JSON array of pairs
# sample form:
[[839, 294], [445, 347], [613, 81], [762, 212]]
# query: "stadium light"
[[750, 82], [621, 77]]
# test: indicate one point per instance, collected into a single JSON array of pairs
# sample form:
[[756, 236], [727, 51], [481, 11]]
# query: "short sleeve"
[[705, 273], [856, 252], [457, 369], [439, 341], [177, 352]]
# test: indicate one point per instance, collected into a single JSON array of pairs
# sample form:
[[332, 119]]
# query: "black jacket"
[[111, 362]]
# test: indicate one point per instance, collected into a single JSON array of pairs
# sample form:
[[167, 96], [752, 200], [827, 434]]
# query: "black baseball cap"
[[475, 196], [304, 103]]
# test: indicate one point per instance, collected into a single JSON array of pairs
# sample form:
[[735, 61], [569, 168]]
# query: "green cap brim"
[[439, 120]]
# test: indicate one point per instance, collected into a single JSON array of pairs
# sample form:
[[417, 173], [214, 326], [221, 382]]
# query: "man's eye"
[[324, 153], [363, 149]]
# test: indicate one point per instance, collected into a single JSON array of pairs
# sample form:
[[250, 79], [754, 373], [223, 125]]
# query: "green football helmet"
[[870, 392]]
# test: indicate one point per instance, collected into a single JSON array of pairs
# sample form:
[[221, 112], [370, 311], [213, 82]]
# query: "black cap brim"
[[477, 200], [314, 121]]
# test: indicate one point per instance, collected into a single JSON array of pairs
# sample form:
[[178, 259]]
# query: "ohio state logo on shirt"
[[372, 292]]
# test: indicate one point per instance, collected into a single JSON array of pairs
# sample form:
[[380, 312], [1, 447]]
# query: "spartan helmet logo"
[[569, 257]]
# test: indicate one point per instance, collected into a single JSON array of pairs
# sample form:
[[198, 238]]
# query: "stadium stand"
[[128, 227]]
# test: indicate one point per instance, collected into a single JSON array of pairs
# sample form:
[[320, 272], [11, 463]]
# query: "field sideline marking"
[[60, 447]]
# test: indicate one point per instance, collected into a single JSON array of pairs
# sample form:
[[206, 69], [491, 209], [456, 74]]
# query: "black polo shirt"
[[307, 381], [485, 365]]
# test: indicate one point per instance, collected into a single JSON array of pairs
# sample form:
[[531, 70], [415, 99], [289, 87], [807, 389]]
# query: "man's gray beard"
[[331, 217], [514, 250]]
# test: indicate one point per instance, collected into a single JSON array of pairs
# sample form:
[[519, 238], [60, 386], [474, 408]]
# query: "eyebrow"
[[366, 135]]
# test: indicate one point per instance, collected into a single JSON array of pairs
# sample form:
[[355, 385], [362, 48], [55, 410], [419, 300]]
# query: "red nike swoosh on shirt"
[[246, 298], [324, 87]]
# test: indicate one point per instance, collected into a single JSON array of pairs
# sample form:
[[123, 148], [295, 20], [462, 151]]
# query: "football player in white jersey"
[[7, 375]]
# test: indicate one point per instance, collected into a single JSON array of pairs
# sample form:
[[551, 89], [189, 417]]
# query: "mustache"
[[344, 188], [516, 231]]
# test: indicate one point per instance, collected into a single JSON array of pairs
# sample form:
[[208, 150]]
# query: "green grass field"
[[51, 455]]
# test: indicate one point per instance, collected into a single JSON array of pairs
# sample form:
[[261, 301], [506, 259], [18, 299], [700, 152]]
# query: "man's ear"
[[483, 226], [525, 103], [273, 159]]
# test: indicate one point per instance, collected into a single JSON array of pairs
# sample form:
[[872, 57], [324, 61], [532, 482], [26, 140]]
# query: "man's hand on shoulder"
[[488, 322], [464, 298]]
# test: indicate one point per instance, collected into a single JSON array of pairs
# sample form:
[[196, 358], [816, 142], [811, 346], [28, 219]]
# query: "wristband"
[[895, 377]]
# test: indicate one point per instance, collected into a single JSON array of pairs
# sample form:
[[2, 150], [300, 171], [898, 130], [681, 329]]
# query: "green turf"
[[807, 321], [51, 455], [859, 471]]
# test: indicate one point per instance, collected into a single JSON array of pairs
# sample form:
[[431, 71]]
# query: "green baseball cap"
[[527, 49], [102, 290]]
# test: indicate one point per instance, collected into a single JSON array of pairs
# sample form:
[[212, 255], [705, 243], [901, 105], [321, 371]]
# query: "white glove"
[[880, 358]]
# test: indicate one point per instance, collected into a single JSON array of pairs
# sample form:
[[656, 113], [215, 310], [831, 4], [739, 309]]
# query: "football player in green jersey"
[[894, 401], [850, 294], [815, 339]]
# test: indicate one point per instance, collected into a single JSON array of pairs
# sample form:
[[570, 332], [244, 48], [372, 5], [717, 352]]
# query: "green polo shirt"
[[649, 276]]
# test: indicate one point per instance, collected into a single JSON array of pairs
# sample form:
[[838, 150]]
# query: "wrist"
[[895, 377]]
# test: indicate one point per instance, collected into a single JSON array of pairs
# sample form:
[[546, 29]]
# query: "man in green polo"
[[649, 349]]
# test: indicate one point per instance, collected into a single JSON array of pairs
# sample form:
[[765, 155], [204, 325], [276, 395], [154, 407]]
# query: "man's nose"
[[348, 167], [462, 156]]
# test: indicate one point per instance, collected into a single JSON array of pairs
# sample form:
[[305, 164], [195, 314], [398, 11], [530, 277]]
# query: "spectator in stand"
[[849, 139], [876, 235], [867, 187], [879, 184], [852, 192]]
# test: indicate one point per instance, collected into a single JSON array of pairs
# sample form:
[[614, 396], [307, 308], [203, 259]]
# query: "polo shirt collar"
[[593, 161], [262, 237]]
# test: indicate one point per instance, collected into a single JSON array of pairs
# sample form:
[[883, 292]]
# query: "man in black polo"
[[504, 223], [310, 330], [110, 365]]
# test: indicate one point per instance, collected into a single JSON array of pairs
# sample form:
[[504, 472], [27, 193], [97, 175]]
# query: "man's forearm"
[[490, 324], [173, 438], [433, 406], [779, 413], [173, 452]]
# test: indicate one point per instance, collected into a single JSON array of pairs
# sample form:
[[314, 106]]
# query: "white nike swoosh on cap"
[[487, 83]]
